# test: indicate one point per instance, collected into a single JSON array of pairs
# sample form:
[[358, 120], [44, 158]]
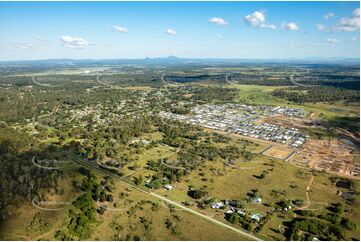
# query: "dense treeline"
[[122, 131], [314, 228], [202, 94], [37, 101], [82, 216], [347, 81], [214, 94], [20, 179], [352, 85], [195, 78], [264, 79], [147, 79], [330, 226], [316, 94], [180, 110]]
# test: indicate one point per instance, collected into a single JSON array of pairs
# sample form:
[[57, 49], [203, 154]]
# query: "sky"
[[249, 30]]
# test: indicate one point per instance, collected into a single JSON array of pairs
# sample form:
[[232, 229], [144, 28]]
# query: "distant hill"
[[173, 60]]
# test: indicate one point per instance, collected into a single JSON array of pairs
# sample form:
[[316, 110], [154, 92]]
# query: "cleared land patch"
[[328, 155], [278, 152]]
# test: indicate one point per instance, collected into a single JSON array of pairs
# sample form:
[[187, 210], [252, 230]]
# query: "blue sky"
[[41, 30]]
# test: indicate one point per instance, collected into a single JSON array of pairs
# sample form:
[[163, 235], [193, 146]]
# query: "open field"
[[118, 222], [184, 225], [261, 95], [256, 146], [288, 182]]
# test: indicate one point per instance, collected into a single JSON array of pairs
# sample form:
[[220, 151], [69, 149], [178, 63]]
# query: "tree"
[[347, 224], [139, 180], [196, 194], [234, 218]]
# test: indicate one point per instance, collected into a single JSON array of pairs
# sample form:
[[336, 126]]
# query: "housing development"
[[242, 119]]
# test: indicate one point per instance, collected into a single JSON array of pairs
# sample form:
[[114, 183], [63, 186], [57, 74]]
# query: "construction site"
[[332, 156]]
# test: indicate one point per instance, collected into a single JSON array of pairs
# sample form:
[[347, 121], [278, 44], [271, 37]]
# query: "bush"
[[196, 194], [347, 224], [233, 218]]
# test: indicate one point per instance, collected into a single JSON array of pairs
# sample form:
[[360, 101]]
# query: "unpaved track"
[[307, 196]]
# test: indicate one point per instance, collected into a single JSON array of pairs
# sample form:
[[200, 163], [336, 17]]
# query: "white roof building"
[[217, 205], [256, 216], [168, 187]]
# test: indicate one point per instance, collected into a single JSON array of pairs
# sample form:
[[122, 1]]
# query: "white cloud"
[[119, 29], [270, 26], [258, 19], [321, 27], [332, 41], [73, 42], [255, 19], [171, 32], [23, 45], [356, 12], [41, 39], [290, 26], [19, 45], [354, 39], [219, 36], [348, 24], [329, 15], [218, 21]]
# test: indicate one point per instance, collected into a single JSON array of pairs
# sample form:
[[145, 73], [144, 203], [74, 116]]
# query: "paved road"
[[42, 84], [103, 83], [299, 84], [263, 151], [209, 219]]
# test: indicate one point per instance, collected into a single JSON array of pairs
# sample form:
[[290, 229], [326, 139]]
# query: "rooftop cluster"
[[241, 119]]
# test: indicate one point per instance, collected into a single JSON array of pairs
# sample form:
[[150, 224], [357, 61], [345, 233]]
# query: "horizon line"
[[189, 58]]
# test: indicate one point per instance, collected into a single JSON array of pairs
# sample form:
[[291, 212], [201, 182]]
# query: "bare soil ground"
[[312, 121], [329, 155], [278, 152], [265, 143], [292, 121]]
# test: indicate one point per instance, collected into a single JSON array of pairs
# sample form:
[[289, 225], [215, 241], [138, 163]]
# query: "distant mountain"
[[171, 60]]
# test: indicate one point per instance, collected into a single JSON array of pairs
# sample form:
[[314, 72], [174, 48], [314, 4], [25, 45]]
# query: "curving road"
[[227, 78], [307, 194], [307, 205], [42, 208], [103, 83], [42, 84], [299, 84]]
